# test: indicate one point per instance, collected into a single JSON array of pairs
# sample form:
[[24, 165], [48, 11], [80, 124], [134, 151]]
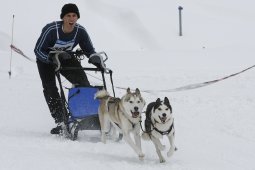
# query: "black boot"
[[57, 130]]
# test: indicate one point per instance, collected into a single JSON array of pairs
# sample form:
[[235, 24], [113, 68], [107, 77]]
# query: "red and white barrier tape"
[[20, 52], [193, 86]]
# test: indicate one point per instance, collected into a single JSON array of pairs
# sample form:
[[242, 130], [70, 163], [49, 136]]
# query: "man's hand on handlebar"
[[97, 61]]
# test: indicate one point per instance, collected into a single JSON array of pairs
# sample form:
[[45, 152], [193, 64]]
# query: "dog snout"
[[164, 115], [136, 108]]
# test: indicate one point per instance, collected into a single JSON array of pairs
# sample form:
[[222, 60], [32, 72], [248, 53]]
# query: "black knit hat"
[[69, 8]]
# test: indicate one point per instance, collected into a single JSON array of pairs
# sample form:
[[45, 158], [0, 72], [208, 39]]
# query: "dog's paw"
[[162, 160], [103, 139], [141, 156], [171, 151]]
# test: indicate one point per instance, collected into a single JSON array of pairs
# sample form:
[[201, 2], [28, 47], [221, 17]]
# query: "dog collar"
[[163, 132]]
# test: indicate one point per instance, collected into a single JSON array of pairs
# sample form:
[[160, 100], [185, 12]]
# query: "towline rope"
[[193, 86]]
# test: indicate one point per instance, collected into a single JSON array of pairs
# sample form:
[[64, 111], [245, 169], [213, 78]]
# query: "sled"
[[81, 111]]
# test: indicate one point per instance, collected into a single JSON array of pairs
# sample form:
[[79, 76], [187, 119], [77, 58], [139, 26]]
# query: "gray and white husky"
[[124, 113], [159, 122]]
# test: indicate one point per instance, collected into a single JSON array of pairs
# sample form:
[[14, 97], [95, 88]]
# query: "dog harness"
[[154, 128], [164, 132]]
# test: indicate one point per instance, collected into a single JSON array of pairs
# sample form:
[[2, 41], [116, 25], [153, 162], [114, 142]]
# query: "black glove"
[[97, 61], [61, 57], [65, 56]]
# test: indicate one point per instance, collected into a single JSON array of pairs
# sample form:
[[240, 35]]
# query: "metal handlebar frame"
[[56, 53]]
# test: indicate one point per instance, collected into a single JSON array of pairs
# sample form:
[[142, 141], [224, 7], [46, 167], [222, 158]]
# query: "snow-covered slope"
[[214, 125]]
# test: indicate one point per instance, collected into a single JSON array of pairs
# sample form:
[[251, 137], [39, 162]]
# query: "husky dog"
[[124, 114], [159, 121]]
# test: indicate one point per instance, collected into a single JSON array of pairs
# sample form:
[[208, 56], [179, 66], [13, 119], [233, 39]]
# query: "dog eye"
[[139, 101], [130, 101], [166, 108], [159, 109]]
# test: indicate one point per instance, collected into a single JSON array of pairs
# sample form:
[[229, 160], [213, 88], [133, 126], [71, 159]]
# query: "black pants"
[[50, 89]]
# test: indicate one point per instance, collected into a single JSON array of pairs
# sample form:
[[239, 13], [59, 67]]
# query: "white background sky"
[[214, 125]]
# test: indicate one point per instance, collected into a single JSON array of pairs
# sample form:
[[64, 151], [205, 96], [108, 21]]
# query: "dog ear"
[[158, 101], [137, 91], [128, 90], [157, 104], [167, 103]]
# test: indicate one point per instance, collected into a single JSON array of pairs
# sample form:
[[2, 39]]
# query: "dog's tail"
[[146, 136], [101, 94]]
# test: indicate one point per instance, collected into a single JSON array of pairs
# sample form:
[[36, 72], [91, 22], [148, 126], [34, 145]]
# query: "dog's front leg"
[[127, 138], [171, 138], [156, 136], [157, 143], [137, 138]]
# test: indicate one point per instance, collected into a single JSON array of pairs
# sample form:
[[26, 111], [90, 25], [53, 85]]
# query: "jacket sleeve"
[[85, 43], [43, 43]]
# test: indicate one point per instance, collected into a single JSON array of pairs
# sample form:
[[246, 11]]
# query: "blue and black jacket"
[[53, 32]]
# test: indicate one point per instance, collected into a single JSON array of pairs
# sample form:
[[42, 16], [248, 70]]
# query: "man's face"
[[70, 19]]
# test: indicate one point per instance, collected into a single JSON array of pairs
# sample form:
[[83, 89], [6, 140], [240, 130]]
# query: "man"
[[62, 35]]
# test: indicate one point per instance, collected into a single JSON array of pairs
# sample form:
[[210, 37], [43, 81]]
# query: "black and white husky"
[[159, 122]]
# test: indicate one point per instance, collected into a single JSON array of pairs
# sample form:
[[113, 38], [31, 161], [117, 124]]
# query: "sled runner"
[[81, 112]]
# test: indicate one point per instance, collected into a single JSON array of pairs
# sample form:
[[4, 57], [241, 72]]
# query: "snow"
[[214, 124]]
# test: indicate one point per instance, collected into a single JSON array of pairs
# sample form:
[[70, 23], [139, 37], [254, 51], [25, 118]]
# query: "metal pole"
[[10, 71], [104, 80], [65, 113], [180, 20]]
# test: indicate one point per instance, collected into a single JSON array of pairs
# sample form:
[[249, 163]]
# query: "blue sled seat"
[[81, 102]]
